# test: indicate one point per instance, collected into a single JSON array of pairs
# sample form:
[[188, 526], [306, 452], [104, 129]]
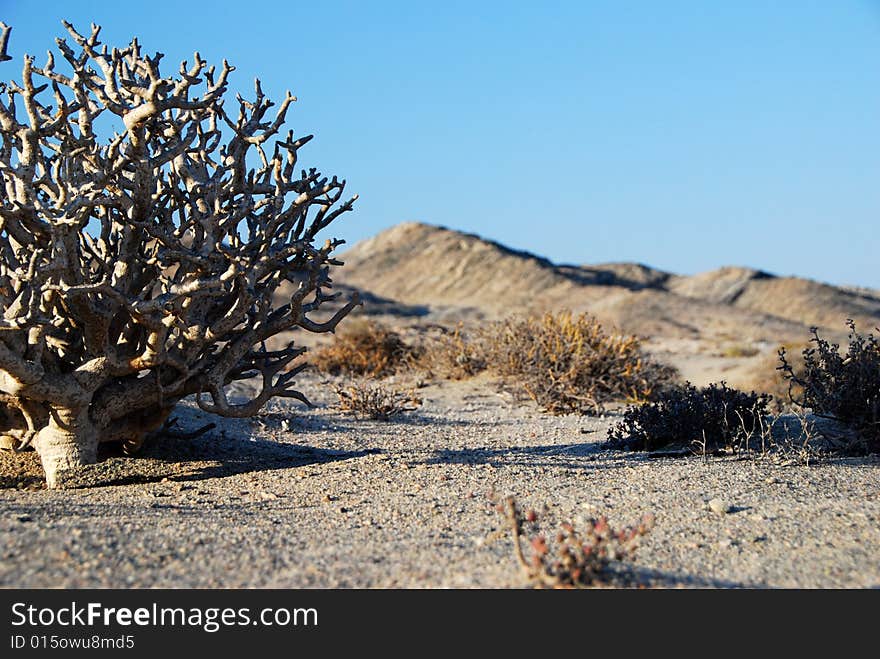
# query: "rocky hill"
[[447, 272]]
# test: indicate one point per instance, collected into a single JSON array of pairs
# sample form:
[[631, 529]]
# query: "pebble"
[[719, 506]]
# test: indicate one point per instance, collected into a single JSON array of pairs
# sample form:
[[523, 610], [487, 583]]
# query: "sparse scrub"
[[844, 387], [577, 559], [712, 417], [569, 364], [768, 378], [364, 347], [453, 355], [375, 401], [794, 437]]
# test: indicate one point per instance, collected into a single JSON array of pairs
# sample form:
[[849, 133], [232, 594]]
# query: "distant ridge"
[[440, 268]]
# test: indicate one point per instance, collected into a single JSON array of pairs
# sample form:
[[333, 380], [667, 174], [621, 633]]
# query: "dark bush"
[[845, 387], [714, 417]]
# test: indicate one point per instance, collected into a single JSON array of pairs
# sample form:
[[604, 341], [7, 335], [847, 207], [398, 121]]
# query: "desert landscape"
[[299, 497], [202, 385]]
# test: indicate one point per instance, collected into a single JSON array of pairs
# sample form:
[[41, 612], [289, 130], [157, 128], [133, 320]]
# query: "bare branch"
[[4, 41], [142, 267]]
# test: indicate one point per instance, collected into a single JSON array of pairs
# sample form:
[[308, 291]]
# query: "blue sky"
[[684, 134]]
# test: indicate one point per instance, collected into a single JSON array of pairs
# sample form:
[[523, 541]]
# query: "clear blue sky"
[[681, 134]]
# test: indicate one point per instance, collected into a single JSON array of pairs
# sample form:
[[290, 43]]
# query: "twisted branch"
[[142, 267]]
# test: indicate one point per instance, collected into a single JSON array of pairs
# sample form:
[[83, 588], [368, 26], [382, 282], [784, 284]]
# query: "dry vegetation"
[[565, 363], [365, 400], [364, 347], [570, 364], [453, 354]]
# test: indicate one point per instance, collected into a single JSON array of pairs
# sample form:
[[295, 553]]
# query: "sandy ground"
[[313, 498]]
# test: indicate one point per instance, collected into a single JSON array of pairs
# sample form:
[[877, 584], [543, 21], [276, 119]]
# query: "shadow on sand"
[[662, 579], [532, 456], [209, 456]]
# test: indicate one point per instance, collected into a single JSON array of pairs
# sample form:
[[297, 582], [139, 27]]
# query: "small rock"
[[24, 518], [719, 506]]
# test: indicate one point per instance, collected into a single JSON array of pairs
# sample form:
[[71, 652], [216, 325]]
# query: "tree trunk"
[[70, 440]]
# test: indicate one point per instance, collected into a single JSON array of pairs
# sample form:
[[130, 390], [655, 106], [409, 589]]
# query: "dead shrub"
[[453, 354], [146, 266], [374, 401], [364, 347], [569, 364], [578, 559]]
